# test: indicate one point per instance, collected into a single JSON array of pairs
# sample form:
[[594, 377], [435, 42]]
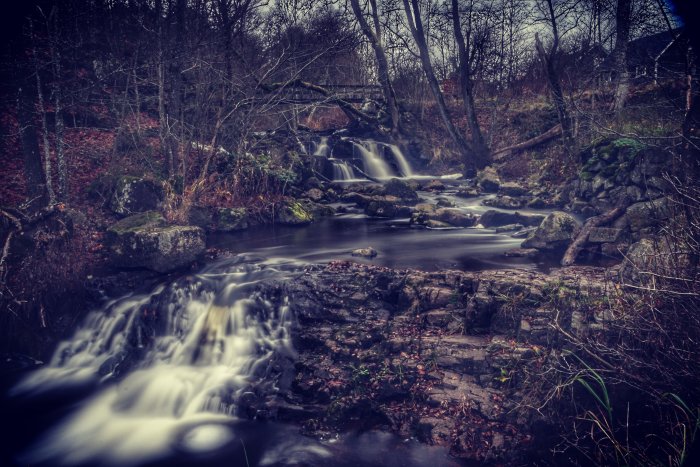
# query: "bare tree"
[[415, 25], [622, 76], [374, 36], [549, 61], [481, 153]]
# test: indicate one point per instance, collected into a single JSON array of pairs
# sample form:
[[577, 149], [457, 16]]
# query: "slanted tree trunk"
[[550, 67], [415, 24], [481, 154], [622, 76], [582, 237], [375, 40]]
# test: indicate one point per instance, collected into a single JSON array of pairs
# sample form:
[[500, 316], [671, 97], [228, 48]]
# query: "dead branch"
[[576, 246], [546, 136], [345, 106]]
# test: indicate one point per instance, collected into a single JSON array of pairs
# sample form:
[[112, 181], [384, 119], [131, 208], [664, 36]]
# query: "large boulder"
[[146, 241], [645, 215], [133, 195], [655, 260], [555, 232]]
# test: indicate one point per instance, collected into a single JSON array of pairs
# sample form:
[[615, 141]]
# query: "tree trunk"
[[44, 128], [33, 172], [415, 24], [481, 157], [58, 111], [548, 61], [582, 237], [374, 38], [622, 76]]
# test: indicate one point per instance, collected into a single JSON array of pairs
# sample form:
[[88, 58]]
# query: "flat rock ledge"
[[436, 356]]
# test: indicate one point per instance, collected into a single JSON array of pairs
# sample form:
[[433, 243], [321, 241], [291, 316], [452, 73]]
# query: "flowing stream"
[[157, 378]]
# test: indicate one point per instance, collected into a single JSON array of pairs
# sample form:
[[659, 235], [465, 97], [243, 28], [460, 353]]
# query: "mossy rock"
[[138, 222], [555, 232], [294, 213], [145, 241], [231, 219]]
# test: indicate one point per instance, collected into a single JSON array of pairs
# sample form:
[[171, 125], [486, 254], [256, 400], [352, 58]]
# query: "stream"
[[157, 378]]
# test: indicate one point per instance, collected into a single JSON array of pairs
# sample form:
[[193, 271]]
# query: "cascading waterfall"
[[374, 165], [401, 161], [322, 149], [342, 171], [184, 356]]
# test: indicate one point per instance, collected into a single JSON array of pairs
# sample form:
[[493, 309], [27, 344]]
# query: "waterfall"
[[374, 165], [322, 149], [174, 364], [404, 166], [342, 170]]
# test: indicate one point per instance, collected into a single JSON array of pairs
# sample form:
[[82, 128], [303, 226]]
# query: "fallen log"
[[581, 238], [546, 136]]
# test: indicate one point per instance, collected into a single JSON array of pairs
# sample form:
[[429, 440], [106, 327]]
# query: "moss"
[[144, 220], [299, 212], [585, 175]]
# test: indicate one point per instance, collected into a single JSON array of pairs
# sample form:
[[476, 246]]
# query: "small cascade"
[[374, 164], [184, 355], [322, 149], [401, 162], [342, 171]]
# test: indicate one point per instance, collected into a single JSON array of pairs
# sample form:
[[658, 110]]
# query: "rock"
[[604, 235], [400, 189], [434, 185], [383, 206], [651, 260], [314, 194], [317, 210], [133, 195], [368, 252], [454, 217], [435, 224], [444, 202], [201, 216], [509, 228], [293, 213], [488, 180], [144, 240], [512, 189], [536, 203], [505, 202], [468, 193], [493, 218], [522, 253], [555, 232], [613, 250], [427, 215], [645, 214], [231, 219], [524, 233], [312, 182]]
